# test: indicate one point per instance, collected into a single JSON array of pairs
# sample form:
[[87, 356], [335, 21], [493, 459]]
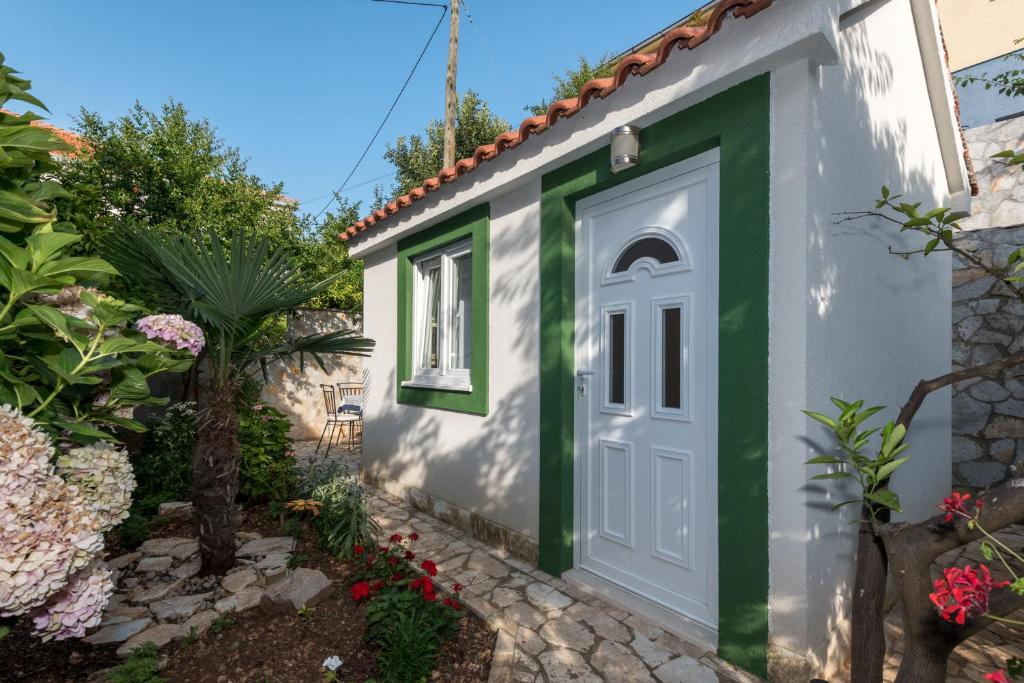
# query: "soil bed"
[[252, 646]]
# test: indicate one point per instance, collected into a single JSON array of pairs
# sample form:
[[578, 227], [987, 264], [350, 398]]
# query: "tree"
[[231, 289], [419, 157], [321, 254], [570, 84], [171, 173]]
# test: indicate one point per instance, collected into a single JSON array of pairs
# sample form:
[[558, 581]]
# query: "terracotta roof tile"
[[636, 64]]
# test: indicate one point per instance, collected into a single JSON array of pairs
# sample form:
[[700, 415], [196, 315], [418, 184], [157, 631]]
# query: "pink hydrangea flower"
[[181, 333]]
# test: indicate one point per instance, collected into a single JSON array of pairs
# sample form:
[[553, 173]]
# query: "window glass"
[[431, 321], [462, 312], [617, 358], [648, 247], [672, 358], [443, 350]]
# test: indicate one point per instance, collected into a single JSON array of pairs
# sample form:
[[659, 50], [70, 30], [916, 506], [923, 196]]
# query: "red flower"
[[998, 677], [376, 586], [457, 606], [955, 504], [392, 561], [429, 567], [447, 602], [396, 538], [396, 577], [429, 597], [414, 536], [457, 587], [410, 555], [358, 549], [360, 590], [963, 593], [382, 549], [979, 503]]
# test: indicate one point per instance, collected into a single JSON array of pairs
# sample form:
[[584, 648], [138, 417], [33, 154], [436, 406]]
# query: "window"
[[443, 318], [654, 248]]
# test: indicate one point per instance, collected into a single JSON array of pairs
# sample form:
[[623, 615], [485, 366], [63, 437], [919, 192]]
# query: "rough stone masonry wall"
[[988, 414]]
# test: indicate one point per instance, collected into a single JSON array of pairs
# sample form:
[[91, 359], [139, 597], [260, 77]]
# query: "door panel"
[[646, 412]]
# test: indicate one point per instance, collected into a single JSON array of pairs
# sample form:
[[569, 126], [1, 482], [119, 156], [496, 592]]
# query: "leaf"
[[824, 460], [823, 419], [46, 244], [986, 551], [17, 208], [885, 498], [129, 384], [833, 475], [888, 468], [84, 430], [78, 265]]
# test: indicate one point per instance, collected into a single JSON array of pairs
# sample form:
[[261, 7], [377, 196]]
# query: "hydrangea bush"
[[72, 368], [173, 329]]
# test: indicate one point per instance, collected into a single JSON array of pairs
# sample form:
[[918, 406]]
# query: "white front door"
[[646, 386]]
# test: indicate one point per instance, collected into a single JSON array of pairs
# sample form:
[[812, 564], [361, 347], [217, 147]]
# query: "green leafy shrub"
[[405, 617], [343, 522], [166, 464], [267, 469], [141, 666]]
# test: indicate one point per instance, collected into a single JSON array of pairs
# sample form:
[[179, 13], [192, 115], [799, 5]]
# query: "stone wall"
[[988, 414], [298, 394], [1000, 202]]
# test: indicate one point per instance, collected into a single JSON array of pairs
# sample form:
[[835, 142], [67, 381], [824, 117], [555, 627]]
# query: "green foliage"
[[569, 84], [343, 522], [321, 254], [222, 623], [266, 470], [165, 465], [409, 632], [68, 357], [871, 473], [419, 157], [141, 666], [1009, 82]]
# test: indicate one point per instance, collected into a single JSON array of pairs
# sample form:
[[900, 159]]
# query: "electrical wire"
[[394, 104], [483, 43], [347, 187]]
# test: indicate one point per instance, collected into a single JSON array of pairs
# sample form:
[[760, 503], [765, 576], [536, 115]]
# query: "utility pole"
[[449, 87]]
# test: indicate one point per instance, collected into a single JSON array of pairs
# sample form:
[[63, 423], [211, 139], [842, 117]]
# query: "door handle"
[[584, 373]]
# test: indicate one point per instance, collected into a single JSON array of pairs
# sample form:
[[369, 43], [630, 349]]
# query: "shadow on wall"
[[487, 465], [297, 393], [861, 135]]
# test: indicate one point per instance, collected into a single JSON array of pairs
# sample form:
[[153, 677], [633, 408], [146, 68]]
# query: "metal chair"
[[335, 418], [352, 401]]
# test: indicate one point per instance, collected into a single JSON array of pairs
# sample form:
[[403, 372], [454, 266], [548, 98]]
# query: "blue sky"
[[300, 87]]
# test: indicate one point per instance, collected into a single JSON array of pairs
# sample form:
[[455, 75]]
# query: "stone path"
[[986, 651], [547, 631]]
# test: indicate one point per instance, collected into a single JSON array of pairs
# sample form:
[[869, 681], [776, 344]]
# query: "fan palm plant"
[[229, 288]]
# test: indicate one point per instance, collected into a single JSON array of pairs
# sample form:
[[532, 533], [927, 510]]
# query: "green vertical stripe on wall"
[[736, 121]]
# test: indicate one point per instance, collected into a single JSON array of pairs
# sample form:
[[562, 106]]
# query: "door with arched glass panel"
[[646, 387]]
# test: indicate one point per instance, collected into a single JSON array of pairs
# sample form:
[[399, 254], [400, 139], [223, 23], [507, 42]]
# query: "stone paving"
[[548, 632]]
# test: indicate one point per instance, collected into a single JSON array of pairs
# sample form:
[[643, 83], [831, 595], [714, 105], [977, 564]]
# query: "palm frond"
[[316, 346]]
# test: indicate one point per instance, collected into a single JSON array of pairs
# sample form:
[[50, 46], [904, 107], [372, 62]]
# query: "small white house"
[[595, 337]]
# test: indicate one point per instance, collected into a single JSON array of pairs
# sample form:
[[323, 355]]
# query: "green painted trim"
[[474, 223], [736, 121]]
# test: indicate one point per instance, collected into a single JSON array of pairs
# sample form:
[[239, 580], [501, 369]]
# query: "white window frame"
[[444, 376]]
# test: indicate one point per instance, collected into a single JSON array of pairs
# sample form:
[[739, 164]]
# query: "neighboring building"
[[604, 372], [982, 37]]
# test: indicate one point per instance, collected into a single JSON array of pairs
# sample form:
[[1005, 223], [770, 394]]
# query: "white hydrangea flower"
[[103, 475], [78, 607], [47, 532]]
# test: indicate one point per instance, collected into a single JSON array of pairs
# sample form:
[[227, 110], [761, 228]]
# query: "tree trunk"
[[867, 639], [215, 480], [924, 660]]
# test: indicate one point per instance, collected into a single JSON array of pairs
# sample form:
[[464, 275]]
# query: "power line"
[[397, 97], [411, 2], [347, 187]]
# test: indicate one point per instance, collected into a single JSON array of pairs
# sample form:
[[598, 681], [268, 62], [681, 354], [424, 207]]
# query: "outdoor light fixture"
[[625, 148]]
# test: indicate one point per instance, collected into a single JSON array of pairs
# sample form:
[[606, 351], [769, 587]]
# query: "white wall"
[[847, 318], [488, 465]]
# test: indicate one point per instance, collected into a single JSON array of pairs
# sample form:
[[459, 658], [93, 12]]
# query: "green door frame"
[[736, 121]]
